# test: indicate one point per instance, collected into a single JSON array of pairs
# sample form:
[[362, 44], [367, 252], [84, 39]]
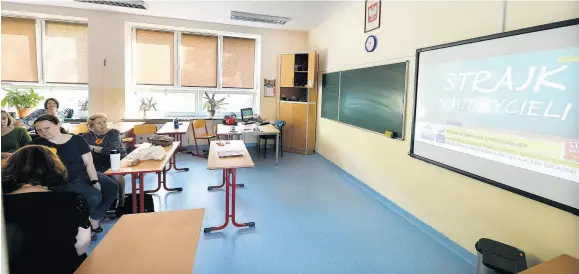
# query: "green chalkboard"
[[330, 95], [370, 98]]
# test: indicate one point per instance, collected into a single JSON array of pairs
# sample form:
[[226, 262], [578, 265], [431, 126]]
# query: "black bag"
[[149, 205]]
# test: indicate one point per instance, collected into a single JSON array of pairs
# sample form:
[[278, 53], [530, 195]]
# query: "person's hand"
[[91, 147], [6, 155], [97, 186], [98, 149]]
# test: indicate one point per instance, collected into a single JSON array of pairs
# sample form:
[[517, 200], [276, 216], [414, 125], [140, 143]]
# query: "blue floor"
[[310, 218]]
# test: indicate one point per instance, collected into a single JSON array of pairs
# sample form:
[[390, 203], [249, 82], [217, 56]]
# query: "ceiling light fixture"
[[252, 17], [135, 4]]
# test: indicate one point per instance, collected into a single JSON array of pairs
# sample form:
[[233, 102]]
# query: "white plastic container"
[[115, 160]]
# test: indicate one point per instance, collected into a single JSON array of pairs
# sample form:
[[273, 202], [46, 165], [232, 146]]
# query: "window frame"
[[40, 24], [177, 86]]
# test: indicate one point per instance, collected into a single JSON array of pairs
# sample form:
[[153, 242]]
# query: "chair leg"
[[258, 147], [265, 149]]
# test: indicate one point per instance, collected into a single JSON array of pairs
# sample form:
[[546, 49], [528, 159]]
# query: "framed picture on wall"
[[372, 15]]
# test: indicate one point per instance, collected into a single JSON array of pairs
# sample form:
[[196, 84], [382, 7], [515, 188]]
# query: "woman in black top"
[[48, 232], [99, 190], [102, 140]]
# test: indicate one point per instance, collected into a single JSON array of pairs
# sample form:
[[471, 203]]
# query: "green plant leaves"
[[21, 99]]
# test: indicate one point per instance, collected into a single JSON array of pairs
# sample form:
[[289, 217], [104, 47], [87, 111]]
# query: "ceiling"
[[305, 15]]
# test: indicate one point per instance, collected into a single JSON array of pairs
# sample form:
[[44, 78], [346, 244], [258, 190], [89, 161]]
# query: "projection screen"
[[504, 109]]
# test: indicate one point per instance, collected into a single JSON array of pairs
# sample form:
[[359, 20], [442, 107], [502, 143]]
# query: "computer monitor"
[[246, 114]]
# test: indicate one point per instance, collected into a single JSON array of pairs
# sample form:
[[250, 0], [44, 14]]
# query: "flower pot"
[[82, 114], [23, 112]]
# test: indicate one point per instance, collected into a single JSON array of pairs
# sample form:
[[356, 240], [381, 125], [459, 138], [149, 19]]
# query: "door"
[[287, 70], [300, 117], [285, 114], [312, 62]]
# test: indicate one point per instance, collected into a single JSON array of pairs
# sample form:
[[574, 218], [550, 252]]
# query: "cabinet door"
[[287, 70], [300, 117], [312, 62], [285, 114]]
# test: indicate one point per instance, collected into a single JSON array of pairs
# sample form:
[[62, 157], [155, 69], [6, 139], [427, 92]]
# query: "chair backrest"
[[198, 123], [279, 124], [145, 129], [78, 129]]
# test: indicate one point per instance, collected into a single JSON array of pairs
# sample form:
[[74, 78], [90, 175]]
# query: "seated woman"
[[102, 140], [49, 231], [51, 106], [99, 190], [13, 137]]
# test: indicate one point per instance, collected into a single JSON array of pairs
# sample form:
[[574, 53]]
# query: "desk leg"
[[159, 184], [142, 193], [134, 194], [165, 183], [230, 184], [223, 182], [276, 148], [173, 162]]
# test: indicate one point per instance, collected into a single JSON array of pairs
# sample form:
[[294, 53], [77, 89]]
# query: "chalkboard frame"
[[404, 97], [535, 197]]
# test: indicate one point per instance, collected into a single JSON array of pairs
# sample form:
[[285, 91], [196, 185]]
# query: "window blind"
[[198, 60], [19, 50], [66, 53], [238, 62], [154, 57]]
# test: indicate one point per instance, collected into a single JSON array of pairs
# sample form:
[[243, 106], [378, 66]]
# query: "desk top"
[[563, 264], [214, 162], [125, 127], [265, 130], [168, 128], [157, 242], [145, 166]]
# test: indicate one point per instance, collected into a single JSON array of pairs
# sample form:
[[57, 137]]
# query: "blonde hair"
[[10, 118], [90, 120]]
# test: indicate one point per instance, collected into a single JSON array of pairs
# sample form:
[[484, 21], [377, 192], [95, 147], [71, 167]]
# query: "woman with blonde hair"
[[102, 140]]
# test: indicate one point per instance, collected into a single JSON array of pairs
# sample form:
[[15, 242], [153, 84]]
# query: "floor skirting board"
[[437, 236]]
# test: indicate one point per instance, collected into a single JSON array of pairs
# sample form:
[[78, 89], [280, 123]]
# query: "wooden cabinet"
[[298, 131], [298, 70], [297, 99]]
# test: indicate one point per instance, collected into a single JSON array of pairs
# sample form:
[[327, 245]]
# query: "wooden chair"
[[145, 129], [279, 125], [206, 136], [79, 129]]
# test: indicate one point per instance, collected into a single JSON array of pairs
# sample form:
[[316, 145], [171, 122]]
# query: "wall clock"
[[371, 43]]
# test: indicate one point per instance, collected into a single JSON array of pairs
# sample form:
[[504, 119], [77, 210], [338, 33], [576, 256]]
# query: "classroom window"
[[66, 52], [47, 55], [19, 51], [198, 61], [188, 64], [154, 58], [238, 62]]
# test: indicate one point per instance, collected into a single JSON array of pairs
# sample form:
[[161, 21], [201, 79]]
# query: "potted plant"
[[82, 109], [147, 104], [213, 105], [23, 101]]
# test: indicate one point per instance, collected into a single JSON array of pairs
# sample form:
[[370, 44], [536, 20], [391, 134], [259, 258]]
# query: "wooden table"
[[169, 129], [125, 127], [563, 264], [229, 167], [159, 242], [144, 167], [227, 130]]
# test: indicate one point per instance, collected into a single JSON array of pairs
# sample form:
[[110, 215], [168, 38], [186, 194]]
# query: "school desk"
[[248, 130], [157, 242], [229, 167]]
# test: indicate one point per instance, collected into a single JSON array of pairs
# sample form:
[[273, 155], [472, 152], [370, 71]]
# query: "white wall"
[[461, 208]]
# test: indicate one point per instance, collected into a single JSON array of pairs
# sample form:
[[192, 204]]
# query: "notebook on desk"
[[229, 153]]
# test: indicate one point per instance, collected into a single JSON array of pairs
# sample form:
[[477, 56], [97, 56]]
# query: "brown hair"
[[10, 118], [51, 118], [34, 165]]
